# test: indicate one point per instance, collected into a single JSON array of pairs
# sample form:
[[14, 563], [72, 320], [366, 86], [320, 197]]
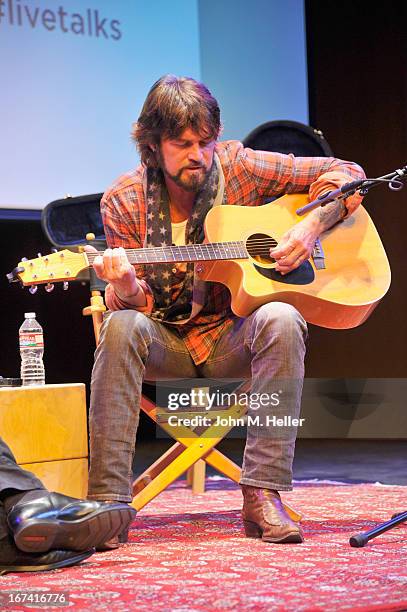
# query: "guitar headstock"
[[62, 266]]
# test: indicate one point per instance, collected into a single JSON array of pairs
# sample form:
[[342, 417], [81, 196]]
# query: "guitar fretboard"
[[184, 253]]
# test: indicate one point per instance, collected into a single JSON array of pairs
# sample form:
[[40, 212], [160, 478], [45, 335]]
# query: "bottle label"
[[31, 340]]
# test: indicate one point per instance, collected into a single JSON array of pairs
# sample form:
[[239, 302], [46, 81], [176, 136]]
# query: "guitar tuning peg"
[[33, 289], [24, 259], [65, 285], [39, 255], [49, 287], [54, 250]]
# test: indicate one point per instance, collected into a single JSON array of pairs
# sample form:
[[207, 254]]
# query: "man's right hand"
[[115, 269]]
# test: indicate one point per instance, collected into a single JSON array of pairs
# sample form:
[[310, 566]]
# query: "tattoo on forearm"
[[331, 213]]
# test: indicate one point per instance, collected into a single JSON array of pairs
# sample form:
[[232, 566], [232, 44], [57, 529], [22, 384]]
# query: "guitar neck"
[[185, 253]]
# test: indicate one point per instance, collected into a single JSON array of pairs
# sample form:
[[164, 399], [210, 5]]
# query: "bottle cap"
[[29, 315]]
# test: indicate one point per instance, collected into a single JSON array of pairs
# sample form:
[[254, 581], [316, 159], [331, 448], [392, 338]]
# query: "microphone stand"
[[360, 539], [394, 181]]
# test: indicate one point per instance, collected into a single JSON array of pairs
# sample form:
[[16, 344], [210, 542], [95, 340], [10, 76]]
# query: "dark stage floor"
[[347, 460]]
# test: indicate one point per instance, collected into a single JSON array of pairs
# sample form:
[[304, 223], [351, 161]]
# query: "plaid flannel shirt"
[[250, 177]]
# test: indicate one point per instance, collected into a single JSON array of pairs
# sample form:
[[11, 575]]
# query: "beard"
[[191, 178]]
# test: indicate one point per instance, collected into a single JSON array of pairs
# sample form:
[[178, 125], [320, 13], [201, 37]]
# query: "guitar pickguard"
[[303, 275]]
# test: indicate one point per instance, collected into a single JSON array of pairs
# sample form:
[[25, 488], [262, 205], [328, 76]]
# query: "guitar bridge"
[[318, 255]]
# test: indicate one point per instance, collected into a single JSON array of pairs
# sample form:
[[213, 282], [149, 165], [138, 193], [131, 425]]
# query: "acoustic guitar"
[[344, 280]]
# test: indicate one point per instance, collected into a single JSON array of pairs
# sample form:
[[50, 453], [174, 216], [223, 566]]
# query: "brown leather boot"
[[264, 517]]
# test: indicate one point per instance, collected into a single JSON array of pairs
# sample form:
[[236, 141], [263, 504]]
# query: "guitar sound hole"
[[258, 246]]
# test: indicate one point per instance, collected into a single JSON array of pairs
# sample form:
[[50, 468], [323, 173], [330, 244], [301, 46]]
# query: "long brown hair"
[[172, 105]]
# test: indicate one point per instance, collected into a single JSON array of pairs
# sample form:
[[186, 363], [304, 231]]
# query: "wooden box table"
[[46, 428]]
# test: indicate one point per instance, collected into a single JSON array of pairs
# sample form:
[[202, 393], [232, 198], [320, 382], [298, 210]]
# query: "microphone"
[[330, 196], [321, 201]]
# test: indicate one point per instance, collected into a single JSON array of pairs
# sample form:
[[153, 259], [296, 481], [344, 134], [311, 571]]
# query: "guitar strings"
[[258, 246], [256, 241], [260, 242]]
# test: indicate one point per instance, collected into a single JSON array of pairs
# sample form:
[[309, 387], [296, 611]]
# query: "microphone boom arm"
[[394, 179]]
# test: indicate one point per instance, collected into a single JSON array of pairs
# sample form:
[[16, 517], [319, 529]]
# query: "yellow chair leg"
[[197, 449], [198, 477], [156, 468]]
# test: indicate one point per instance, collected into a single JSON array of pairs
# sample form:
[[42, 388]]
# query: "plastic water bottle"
[[32, 351]]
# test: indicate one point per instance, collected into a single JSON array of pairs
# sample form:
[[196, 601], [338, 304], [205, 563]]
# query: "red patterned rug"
[[188, 553]]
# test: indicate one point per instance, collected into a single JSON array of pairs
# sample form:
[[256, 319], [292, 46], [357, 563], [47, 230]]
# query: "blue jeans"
[[268, 346]]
